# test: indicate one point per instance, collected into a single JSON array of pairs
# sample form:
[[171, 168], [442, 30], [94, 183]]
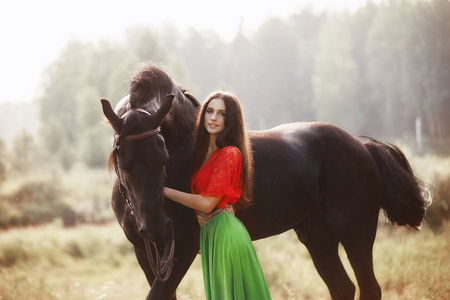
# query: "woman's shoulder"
[[230, 152]]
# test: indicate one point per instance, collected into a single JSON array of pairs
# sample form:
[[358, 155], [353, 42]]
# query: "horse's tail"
[[403, 201]]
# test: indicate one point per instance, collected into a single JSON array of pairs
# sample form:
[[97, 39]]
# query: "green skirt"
[[231, 269]]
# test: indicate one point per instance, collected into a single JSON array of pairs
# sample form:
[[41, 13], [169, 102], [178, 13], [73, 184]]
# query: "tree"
[[70, 104], [433, 53], [273, 81], [306, 30], [23, 153], [58, 108], [408, 55], [145, 44], [203, 55], [3, 159], [360, 25], [95, 137], [336, 77]]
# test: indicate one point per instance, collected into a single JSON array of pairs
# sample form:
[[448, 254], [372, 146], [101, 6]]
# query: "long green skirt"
[[231, 269]]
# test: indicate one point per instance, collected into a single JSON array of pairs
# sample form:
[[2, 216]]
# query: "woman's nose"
[[214, 116]]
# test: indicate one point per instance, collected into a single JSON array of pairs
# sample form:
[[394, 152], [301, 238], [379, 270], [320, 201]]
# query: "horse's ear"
[[109, 113], [164, 109]]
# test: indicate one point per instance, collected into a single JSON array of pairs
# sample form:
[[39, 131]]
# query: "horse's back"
[[303, 167]]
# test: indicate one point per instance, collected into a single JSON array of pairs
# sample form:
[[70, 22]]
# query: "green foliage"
[[145, 44], [272, 85], [35, 203], [24, 153], [70, 105], [94, 137], [408, 65], [336, 78], [438, 214], [13, 253], [306, 28], [3, 160]]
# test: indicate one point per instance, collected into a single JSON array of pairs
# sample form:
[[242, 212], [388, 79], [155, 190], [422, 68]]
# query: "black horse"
[[314, 178]]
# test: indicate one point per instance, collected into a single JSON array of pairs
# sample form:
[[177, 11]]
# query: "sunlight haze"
[[34, 32]]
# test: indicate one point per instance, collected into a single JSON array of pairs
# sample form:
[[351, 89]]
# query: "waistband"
[[203, 217]]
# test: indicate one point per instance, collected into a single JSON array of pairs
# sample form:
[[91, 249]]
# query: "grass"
[[86, 262], [97, 262], [90, 262]]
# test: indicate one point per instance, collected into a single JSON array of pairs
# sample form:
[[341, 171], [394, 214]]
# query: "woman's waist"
[[203, 217]]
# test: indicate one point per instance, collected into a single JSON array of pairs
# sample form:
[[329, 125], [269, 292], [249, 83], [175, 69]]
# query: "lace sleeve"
[[225, 180]]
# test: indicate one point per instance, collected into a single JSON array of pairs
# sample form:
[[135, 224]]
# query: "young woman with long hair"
[[222, 182]]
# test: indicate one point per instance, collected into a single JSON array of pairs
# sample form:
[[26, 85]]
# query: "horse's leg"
[[359, 252], [322, 245], [163, 290], [142, 259], [167, 290], [360, 258]]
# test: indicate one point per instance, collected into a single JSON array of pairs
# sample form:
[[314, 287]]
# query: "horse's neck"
[[177, 168], [175, 136], [178, 134], [178, 128]]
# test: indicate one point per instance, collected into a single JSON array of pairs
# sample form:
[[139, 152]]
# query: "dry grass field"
[[97, 262], [90, 262]]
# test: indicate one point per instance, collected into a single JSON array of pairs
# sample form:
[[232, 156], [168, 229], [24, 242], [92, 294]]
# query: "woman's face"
[[215, 116]]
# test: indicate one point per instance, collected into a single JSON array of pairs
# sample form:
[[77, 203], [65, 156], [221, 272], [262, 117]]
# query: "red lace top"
[[220, 176]]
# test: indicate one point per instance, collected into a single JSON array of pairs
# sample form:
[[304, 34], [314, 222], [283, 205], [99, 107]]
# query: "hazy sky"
[[33, 32]]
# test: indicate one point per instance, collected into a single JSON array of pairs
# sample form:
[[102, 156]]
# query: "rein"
[[159, 266]]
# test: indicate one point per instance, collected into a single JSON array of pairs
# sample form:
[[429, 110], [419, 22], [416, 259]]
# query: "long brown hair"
[[233, 134]]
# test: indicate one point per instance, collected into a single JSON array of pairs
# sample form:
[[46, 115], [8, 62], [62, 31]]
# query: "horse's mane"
[[150, 86], [150, 82], [148, 89]]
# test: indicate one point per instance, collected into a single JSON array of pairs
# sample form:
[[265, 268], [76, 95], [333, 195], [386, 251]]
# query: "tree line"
[[373, 72]]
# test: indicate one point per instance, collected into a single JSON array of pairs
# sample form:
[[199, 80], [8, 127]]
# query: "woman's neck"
[[212, 144]]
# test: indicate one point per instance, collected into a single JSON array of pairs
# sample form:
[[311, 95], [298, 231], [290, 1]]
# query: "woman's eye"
[[222, 114], [209, 111]]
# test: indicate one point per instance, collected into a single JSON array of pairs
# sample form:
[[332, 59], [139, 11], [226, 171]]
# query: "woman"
[[222, 181]]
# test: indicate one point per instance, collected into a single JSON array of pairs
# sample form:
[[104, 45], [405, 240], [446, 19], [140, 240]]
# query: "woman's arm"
[[198, 202]]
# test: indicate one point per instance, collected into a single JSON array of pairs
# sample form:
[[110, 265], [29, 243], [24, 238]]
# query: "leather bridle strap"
[[139, 136], [160, 268]]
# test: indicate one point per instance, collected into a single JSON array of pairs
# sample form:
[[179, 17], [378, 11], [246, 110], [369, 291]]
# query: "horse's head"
[[139, 157]]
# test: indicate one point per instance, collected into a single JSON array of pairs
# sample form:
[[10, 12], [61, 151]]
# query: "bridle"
[[130, 137], [167, 264]]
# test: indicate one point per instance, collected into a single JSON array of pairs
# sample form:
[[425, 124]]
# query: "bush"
[[438, 214], [12, 253], [35, 203]]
